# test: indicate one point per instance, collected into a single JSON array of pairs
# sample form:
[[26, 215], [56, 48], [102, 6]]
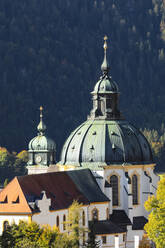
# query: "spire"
[[41, 126], [105, 66]]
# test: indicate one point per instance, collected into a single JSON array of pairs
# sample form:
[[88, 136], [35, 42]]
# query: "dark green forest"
[[50, 55]]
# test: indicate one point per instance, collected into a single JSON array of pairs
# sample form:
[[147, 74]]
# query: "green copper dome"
[[105, 142], [41, 142], [42, 150], [105, 85], [105, 138]]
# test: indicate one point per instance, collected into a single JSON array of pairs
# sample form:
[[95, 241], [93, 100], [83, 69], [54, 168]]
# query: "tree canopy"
[[155, 227], [12, 164]]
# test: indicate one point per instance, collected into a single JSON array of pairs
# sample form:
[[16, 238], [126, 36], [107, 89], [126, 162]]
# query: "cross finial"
[[105, 43]]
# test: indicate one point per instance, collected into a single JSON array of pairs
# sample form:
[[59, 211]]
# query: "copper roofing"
[[105, 138], [106, 142]]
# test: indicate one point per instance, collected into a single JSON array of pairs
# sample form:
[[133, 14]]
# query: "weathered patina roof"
[[105, 138], [102, 142], [41, 142], [105, 85]]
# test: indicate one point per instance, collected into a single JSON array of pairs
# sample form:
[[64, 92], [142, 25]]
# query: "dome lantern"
[[105, 94]]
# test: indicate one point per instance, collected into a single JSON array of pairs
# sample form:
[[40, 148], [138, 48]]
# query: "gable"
[[12, 199]]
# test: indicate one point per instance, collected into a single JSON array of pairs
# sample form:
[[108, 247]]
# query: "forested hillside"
[[50, 55]]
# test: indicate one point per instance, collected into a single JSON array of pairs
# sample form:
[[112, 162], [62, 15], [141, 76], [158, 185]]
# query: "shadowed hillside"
[[50, 55]]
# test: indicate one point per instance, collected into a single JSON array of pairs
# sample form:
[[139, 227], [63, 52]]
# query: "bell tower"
[[42, 150]]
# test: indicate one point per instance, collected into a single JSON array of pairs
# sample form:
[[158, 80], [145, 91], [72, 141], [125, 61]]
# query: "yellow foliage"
[[23, 155], [155, 227]]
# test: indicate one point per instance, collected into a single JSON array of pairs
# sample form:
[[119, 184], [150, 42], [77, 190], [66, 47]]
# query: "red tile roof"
[[61, 187], [58, 186]]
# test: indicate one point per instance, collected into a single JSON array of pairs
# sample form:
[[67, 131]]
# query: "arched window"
[[57, 221], [83, 218], [95, 214], [115, 190], [64, 224], [5, 225], [134, 190]]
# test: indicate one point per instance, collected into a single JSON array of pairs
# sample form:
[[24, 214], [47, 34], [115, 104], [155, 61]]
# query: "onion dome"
[[105, 138], [41, 142], [105, 85]]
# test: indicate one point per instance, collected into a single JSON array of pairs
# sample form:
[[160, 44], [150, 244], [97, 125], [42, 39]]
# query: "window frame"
[[135, 189], [115, 191], [64, 224], [57, 221], [95, 214]]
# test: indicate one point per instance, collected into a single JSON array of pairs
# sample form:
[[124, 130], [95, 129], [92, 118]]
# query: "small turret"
[[42, 150]]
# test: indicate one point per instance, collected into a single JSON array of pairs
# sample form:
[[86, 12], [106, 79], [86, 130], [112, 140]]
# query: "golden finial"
[[105, 66], [105, 43], [41, 109], [41, 126]]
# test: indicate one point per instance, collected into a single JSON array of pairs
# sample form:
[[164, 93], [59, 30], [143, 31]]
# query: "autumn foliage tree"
[[12, 164], [28, 235], [31, 235], [155, 227]]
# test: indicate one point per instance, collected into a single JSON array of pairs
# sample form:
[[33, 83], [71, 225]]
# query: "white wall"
[[110, 241], [11, 219], [101, 208]]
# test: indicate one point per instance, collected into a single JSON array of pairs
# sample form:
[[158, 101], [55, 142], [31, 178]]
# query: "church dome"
[[106, 142], [41, 142], [106, 137], [104, 85]]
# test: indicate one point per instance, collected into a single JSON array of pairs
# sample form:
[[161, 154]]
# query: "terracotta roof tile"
[[11, 192]]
